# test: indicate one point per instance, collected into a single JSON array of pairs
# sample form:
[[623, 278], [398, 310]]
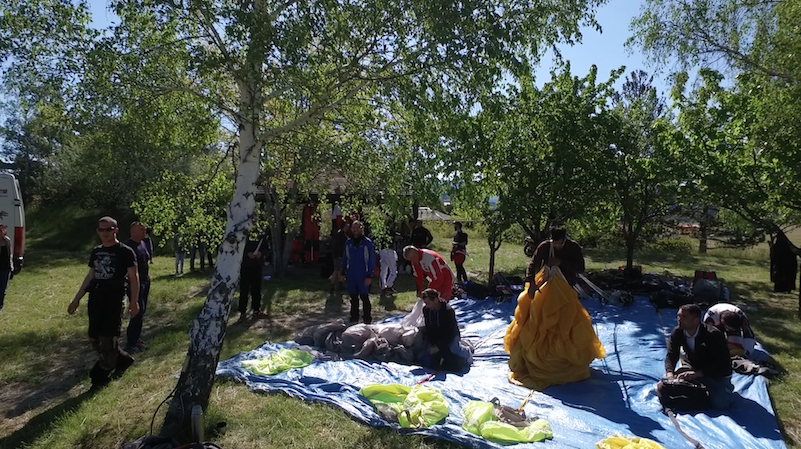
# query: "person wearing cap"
[[109, 265]]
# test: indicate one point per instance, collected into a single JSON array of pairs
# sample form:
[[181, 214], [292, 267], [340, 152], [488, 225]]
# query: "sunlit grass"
[[46, 357]]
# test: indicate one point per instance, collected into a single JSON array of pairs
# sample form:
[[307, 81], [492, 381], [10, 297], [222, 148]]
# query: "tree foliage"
[[741, 134], [642, 175], [189, 206], [273, 70], [533, 148]]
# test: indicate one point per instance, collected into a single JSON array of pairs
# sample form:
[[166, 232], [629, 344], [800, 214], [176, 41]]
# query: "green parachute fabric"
[[551, 340], [416, 407], [620, 442], [480, 420], [475, 414], [283, 360]]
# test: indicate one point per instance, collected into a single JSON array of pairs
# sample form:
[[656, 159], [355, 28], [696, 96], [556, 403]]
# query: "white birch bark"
[[207, 333]]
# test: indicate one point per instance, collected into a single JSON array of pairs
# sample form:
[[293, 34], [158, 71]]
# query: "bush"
[[672, 246]]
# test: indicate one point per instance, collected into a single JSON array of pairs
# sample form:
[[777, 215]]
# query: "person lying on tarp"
[[447, 352], [732, 321], [705, 356], [559, 251]]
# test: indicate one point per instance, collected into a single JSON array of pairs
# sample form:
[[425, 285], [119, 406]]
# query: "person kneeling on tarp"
[[732, 321], [448, 352], [705, 359]]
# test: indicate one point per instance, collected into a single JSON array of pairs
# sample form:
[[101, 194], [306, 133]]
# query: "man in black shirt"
[[421, 237], [139, 245], [250, 276], [459, 251], [705, 359], [109, 264]]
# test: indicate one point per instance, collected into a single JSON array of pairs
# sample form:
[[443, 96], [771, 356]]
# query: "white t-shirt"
[[745, 339]]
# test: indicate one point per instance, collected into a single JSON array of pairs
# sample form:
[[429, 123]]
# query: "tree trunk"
[[207, 333], [277, 238], [277, 234], [630, 241], [494, 245], [702, 244]]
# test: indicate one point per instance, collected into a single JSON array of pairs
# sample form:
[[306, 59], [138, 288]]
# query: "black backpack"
[[684, 395]]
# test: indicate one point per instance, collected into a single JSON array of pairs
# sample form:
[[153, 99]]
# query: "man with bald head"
[[358, 260]]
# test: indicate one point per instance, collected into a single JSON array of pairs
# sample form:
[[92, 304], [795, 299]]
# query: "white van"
[[12, 214]]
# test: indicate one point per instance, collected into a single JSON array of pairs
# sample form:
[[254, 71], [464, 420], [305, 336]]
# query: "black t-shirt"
[[250, 247], [142, 253], [441, 327], [421, 237], [110, 264], [460, 237]]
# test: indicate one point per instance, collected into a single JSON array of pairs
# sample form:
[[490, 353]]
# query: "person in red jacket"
[[429, 264]]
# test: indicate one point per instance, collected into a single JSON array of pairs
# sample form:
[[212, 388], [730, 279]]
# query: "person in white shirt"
[[731, 320]]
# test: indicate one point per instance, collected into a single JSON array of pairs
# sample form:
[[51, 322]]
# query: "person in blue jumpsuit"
[[359, 261]]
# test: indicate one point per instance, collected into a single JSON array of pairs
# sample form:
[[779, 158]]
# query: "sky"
[[605, 49]]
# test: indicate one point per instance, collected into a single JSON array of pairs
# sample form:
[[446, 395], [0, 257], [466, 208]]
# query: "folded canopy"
[[551, 340]]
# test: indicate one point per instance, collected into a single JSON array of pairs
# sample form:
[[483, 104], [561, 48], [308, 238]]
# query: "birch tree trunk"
[[207, 333]]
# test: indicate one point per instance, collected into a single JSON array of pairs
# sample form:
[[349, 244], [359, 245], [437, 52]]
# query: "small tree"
[[638, 169], [499, 229]]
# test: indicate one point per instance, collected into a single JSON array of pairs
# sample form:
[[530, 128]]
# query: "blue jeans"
[[135, 325], [721, 391], [5, 276]]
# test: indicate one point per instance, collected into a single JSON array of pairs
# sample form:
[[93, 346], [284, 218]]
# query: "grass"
[[43, 377]]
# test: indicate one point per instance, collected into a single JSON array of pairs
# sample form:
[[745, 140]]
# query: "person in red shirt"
[[429, 264]]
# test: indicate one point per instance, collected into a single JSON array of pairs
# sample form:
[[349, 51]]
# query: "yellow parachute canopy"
[[551, 340]]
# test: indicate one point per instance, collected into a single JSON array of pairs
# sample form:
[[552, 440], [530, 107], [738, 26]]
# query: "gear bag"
[[684, 395]]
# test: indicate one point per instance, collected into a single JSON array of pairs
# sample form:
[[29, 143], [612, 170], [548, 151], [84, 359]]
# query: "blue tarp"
[[618, 398]]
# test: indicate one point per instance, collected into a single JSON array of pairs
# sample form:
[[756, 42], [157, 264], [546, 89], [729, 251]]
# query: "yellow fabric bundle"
[[415, 407], [479, 419], [551, 340], [619, 442]]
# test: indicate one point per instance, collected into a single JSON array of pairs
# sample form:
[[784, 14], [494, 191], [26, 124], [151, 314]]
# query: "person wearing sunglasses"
[[109, 265]]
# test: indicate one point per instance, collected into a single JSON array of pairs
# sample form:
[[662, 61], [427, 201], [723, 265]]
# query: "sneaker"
[[141, 344], [257, 315], [132, 349], [392, 289], [243, 317]]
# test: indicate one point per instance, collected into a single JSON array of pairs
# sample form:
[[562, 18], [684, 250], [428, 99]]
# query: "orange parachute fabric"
[[551, 340]]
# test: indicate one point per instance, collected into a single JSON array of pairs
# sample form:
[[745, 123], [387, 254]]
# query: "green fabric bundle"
[[283, 360], [479, 419], [415, 407]]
